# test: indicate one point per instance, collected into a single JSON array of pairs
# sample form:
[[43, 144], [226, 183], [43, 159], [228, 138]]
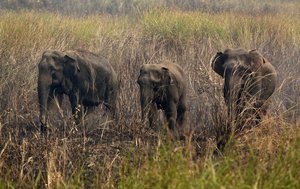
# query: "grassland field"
[[130, 155]]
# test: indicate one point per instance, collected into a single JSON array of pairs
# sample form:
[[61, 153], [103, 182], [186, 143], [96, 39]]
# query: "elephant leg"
[[77, 108], [181, 119], [110, 100], [112, 103], [50, 103], [181, 109], [171, 115], [51, 99]]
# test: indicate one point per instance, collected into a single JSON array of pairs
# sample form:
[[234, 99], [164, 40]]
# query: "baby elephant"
[[86, 78], [249, 81], [162, 86]]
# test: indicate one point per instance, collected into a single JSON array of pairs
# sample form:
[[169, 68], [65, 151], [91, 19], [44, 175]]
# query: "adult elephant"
[[86, 78], [249, 81], [162, 86]]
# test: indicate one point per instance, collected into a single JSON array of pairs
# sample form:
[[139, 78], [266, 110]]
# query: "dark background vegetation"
[[136, 7]]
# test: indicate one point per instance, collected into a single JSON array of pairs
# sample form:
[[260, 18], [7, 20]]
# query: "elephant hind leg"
[[110, 102]]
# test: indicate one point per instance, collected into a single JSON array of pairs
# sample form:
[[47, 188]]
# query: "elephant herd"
[[89, 80]]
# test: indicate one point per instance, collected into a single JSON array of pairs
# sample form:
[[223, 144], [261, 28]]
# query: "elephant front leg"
[[171, 118], [171, 115], [183, 128], [181, 114], [77, 108], [45, 106]]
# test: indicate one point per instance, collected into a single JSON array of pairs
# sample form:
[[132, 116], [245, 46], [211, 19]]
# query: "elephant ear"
[[256, 60], [71, 66], [166, 76], [217, 63]]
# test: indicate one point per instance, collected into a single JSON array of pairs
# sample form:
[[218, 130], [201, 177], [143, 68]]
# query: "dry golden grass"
[[66, 159]]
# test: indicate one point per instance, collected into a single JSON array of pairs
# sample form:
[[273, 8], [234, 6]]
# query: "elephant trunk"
[[146, 100], [44, 82]]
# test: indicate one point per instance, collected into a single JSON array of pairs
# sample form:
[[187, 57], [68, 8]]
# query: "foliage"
[[136, 7], [169, 168]]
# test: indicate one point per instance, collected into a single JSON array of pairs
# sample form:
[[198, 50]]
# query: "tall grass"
[[135, 7], [170, 168], [130, 155], [229, 28]]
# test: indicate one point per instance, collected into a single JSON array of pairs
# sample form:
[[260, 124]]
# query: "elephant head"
[[56, 69], [248, 76], [218, 63]]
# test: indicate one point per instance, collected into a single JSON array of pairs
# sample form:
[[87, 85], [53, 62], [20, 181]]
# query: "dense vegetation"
[[137, 7], [130, 155]]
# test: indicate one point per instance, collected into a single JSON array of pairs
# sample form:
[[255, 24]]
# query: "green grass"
[[169, 167], [180, 25], [228, 28]]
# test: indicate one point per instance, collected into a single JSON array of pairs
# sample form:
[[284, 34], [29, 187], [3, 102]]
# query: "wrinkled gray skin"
[[162, 86], [249, 81], [87, 79]]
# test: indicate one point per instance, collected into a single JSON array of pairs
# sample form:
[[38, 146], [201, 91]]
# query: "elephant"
[[249, 81], [162, 86], [86, 78]]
